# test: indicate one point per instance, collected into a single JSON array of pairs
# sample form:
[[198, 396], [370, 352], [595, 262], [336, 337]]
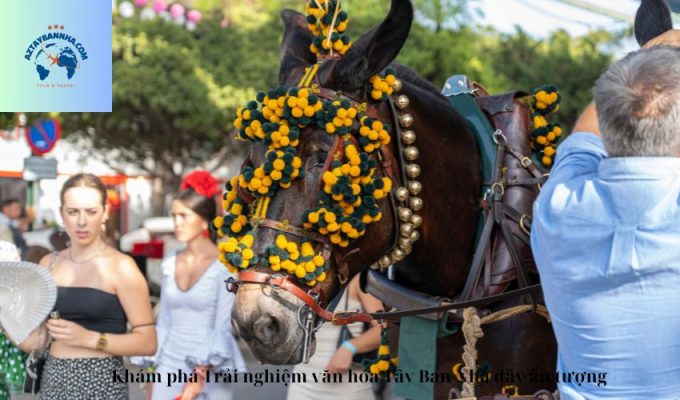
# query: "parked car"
[[148, 246]]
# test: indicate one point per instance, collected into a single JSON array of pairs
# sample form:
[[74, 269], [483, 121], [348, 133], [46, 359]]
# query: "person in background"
[[328, 356], [194, 322], [18, 227], [10, 209], [99, 291]]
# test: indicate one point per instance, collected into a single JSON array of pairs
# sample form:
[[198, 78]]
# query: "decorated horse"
[[357, 164]]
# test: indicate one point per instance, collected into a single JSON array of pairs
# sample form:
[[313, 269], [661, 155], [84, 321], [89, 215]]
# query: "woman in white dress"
[[328, 356], [194, 323]]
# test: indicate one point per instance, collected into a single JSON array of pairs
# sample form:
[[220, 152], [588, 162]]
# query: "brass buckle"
[[521, 224], [526, 162], [506, 390], [500, 185]]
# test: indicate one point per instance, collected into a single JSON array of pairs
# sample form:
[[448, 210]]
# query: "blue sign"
[[43, 136]]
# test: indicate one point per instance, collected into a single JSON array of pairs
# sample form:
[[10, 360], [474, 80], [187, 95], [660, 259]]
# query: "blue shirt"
[[606, 239]]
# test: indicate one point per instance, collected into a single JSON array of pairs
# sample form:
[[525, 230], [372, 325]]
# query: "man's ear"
[[653, 18]]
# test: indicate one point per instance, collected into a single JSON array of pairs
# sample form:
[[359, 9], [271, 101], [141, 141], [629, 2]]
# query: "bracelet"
[[101, 342], [347, 344]]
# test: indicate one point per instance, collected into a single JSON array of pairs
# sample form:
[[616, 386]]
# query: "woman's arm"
[[367, 341], [133, 294], [370, 339]]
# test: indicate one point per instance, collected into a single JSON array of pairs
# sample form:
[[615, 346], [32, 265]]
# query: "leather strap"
[[348, 317], [291, 229]]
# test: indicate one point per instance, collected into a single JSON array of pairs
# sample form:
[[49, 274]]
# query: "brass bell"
[[402, 102], [385, 261], [404, 242], [398, 254], [415, 235], [415, 187], [406, 230], [405, 214], [411, 153], [416, 203], [413, 171], [397, 85], [406, 120], [408, 137], [416, 220], [408, 250], [402, 194], [375, 266]]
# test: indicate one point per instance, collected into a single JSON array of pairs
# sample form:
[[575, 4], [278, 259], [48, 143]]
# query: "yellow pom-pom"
[[281, 242], [383, 365], [230, 246], [291, 247], [236, 227], [300, 271]]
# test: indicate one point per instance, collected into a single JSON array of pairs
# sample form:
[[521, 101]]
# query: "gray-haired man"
[[606, 236]]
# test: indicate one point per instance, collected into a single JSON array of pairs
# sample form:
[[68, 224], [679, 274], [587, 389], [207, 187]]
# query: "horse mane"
[[407, 74]]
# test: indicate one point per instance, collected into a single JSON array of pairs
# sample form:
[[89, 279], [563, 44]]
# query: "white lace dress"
[[326, 345], [194, 328]]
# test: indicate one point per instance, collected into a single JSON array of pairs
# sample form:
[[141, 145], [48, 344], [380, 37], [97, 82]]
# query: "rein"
[[278, 281]]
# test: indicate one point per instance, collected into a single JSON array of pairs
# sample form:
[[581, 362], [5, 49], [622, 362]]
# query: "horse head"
[[336, 212]]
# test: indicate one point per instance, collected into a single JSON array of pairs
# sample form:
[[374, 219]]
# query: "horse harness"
[[479, 290], [315, 298]]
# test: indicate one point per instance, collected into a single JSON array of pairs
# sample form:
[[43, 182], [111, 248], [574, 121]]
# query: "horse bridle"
[[315, 298]]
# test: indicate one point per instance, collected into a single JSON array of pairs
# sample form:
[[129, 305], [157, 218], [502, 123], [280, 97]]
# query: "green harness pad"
[[476, 120], [418, 351]]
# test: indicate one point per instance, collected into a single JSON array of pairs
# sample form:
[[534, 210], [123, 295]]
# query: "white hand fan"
[[27, 295]]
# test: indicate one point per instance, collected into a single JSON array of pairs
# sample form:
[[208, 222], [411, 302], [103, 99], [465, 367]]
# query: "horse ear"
[[652, 19], [296, 41], [375, 50]]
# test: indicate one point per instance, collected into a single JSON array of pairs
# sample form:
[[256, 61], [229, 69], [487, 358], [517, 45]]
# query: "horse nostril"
[[266, 328]]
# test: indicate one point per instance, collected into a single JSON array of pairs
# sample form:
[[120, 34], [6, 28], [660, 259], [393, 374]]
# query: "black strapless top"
[[92, 308]]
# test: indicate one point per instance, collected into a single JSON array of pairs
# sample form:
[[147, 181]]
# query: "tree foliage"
[[175, 92]]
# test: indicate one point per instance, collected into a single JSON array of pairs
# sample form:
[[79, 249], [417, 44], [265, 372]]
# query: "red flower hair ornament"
[[202, 182]]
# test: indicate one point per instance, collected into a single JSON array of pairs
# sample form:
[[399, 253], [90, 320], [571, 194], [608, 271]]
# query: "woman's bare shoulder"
[[56, 255]]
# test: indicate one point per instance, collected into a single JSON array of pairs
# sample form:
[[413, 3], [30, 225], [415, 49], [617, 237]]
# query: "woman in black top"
[[100, 291]]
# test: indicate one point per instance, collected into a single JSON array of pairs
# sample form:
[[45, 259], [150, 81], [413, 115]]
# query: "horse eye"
[[320, 159]]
